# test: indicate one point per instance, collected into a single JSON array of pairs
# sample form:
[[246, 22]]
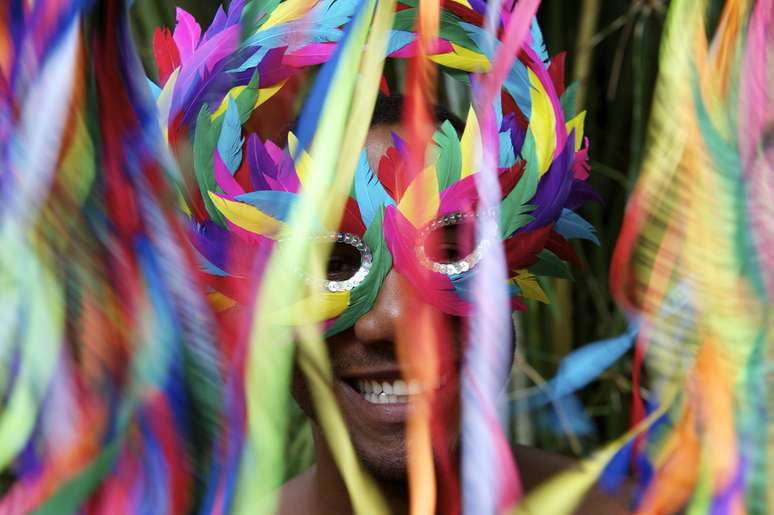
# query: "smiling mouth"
[[389, 391]]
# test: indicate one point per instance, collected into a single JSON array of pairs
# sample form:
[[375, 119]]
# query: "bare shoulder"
[[537, 466]]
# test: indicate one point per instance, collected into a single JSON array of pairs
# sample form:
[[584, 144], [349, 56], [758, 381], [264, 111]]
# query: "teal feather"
[[230, 141]]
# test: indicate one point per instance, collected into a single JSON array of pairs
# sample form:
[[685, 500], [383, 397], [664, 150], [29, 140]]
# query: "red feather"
[[556, 72], [465, 13], [392, 173], [509, 178], [521, 250], [351, 221], [562, 248], [166, 54]]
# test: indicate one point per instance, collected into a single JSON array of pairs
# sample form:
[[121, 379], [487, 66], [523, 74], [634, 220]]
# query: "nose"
[[381, 322]]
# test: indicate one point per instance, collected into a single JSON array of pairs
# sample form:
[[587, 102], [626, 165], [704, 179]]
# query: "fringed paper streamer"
[[485, 461], [689, 237]]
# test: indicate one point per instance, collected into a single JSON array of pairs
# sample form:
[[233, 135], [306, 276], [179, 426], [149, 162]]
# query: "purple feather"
[[260, 164], [581, 192], [217, 25], [553, 189], [204, 60]]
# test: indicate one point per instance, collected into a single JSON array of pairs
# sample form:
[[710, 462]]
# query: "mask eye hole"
[[448, 245], [349, 262], [343, 263]]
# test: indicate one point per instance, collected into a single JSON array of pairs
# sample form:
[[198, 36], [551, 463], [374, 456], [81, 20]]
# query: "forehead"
[[378, 140]]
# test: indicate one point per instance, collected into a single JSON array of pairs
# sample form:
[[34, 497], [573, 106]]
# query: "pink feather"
[[187, 34], [224, 179], [316, 53]]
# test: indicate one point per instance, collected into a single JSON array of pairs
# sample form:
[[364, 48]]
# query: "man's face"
[[369, 384]]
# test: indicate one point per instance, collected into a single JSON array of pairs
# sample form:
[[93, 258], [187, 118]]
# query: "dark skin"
[[368, 351]]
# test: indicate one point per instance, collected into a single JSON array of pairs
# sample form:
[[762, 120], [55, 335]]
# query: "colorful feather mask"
[[422, 224]]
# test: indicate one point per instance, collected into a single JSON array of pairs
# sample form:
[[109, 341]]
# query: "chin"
[[386, 461]]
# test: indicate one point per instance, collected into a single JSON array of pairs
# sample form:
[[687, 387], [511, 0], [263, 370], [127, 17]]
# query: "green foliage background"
[[612, 48]]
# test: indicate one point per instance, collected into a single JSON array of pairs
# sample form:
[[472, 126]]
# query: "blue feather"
[[230, 140], [154, 89], [292, 35], [538, 46], [584, 365], [310, 116], [507, 156], [572, 226], [276, 204], [567, 415], [399, 39], [369, 192]]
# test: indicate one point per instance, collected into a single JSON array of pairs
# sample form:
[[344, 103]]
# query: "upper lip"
[[373, 373]]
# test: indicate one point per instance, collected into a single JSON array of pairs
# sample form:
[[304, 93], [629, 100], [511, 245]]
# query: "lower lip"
[[390, 413]]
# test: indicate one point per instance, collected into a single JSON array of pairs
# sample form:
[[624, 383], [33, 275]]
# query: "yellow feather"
[[542, 123], [463, 2], [304, 162], [220, 302], [530, 288], [286, 11], [470, 146], [182, 204], [248, 217], [164, 102], [576, 124], [421, 200], [264, 94], [463, 59]]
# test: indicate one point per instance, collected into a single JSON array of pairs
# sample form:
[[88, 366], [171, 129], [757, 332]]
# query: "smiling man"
[[404, 241]]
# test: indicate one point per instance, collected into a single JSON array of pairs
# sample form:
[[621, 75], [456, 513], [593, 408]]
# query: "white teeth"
[[414, 387], [378, 392], [399, 388]]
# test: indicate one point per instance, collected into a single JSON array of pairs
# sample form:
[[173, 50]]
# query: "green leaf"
[[449, 163]]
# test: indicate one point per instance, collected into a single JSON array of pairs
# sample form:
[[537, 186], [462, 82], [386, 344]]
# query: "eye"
[[448, 245], [349, 262], [343, 262]]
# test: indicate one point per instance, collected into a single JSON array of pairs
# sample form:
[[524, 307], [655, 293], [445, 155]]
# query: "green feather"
[[550, 265], [449, 29], [449, 163], [568, 101], [246, 101], [205, 141], [364, 296], [514, 210]]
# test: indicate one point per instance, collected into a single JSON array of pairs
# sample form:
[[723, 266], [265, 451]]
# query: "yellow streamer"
[[421, 200]]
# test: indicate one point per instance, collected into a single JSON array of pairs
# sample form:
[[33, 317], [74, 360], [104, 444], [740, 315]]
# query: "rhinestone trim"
[[457, 267], [366, 261]]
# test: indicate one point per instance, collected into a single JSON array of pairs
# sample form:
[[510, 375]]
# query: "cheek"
[[300, 392]]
